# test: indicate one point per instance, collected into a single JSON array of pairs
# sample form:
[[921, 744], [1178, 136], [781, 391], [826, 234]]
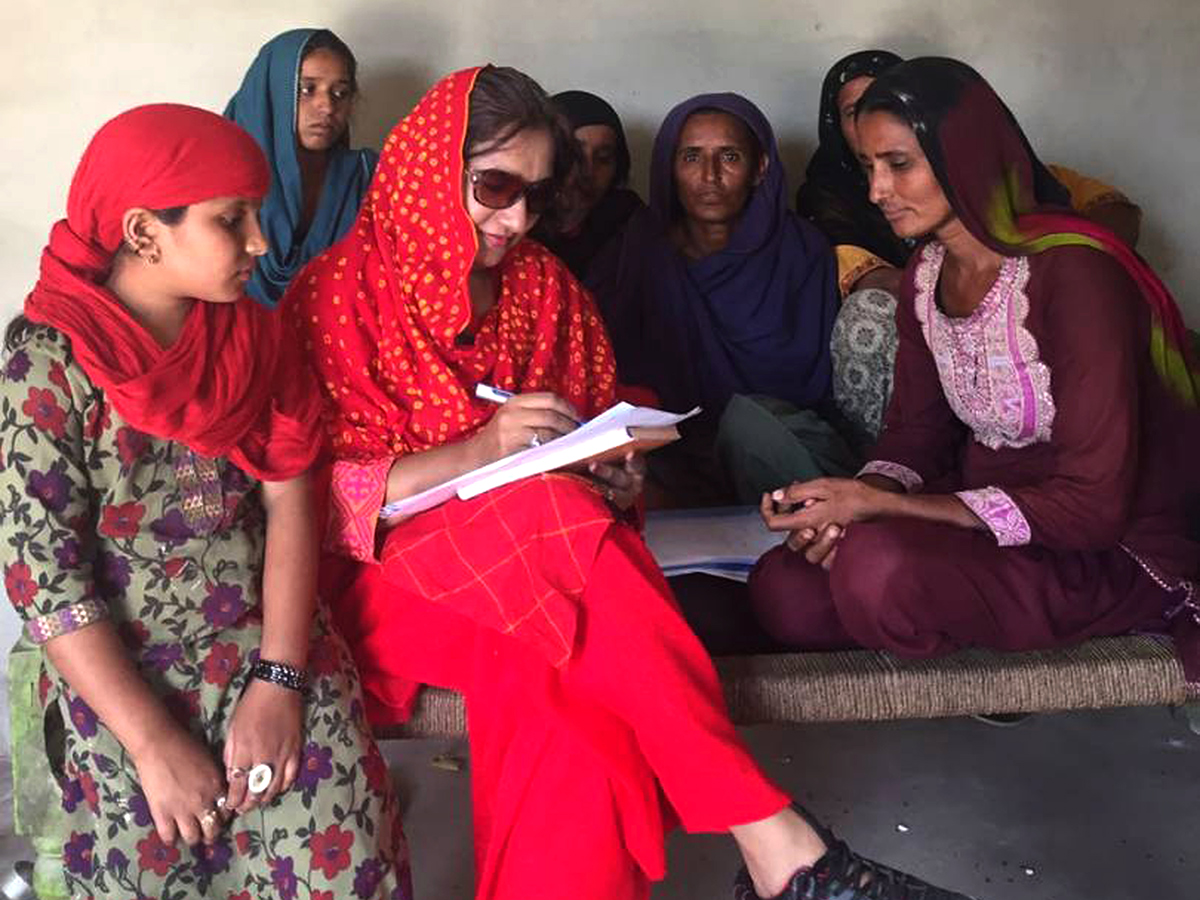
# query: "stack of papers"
[[614, 428], [724, 541]]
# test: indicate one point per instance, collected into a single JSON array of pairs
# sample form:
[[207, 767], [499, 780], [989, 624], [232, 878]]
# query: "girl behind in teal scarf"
[[296, 101]]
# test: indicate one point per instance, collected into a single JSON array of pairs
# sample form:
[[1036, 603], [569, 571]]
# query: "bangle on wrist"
[[281, 674]]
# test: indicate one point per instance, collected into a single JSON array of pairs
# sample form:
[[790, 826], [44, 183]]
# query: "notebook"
[[609, 436], [723, 541]]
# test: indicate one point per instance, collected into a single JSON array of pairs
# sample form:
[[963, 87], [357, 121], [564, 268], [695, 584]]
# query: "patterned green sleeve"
[[47, 514]]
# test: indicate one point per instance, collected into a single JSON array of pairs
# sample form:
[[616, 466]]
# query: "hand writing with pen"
[[530, 420]]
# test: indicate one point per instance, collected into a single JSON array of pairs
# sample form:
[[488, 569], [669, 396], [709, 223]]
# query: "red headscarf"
[[229, 386], [380, 311]]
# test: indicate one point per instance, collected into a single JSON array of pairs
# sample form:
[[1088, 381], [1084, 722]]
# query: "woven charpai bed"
[[864, 685]]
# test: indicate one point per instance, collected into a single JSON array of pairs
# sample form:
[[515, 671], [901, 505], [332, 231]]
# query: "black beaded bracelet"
[[281, 674]]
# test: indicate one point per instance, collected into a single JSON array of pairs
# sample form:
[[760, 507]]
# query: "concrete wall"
[[1103, 86]]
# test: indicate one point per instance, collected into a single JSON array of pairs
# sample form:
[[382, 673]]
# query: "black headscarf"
[[834, 194], [583, 109], [611, 211], [951, 108]]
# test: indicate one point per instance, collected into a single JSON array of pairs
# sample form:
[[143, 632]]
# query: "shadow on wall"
[[801, 90], [640, 137], [925, 33], [389, 93]]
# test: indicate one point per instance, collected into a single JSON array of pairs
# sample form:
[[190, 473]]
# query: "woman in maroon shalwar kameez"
[[1028, 490]]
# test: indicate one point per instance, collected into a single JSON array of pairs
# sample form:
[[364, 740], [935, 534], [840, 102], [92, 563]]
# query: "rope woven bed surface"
[[865, 685]]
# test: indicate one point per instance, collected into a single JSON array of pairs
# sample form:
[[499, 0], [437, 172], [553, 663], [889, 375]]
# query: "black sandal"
[[841, 874]]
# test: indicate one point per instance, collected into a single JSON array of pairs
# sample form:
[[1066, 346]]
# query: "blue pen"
[[492, 394], [495, 394]]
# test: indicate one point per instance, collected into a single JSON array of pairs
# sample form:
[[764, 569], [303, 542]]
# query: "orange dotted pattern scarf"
[[381, 311]]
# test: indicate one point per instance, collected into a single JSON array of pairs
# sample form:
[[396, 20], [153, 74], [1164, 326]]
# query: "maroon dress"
[[1042, 413]]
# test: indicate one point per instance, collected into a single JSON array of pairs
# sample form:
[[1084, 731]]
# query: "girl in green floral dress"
[[155, 438]]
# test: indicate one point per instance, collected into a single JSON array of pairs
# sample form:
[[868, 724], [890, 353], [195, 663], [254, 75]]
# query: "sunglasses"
[[497, 189]]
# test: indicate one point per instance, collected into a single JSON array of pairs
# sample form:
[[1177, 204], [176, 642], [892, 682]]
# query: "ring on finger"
[[208, 819], [260, 778]]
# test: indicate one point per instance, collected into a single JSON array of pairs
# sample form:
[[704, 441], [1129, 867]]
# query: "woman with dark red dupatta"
[[596, 719], [1029, 487]]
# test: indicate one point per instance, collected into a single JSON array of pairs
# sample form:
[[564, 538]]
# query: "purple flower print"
[[162, 656], [140, 809], [224, 605], [17, 367], [72, 794], [366, 878], [112, 574], [316, 765], [284, 877], [77, 854], [172, 528], [82, 716], [52, 488], [68, 554], [215, 859]]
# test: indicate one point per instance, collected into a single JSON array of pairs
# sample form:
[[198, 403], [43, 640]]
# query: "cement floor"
[[1078, 806], [1098, 805]]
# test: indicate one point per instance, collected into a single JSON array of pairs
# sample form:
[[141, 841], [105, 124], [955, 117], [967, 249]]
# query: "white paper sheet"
[[607, 430], [724, 541]]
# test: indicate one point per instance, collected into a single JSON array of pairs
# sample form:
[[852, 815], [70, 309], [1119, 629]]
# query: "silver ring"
[[260, 778], [535, 441], [220, 803]]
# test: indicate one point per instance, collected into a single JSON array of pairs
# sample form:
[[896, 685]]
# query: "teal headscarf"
[[265, 105]]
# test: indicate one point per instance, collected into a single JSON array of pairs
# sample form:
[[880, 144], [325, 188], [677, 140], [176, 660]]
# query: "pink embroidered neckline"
[[988, 362]]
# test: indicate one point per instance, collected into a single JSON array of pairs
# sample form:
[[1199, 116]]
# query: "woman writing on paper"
[[431, 292]]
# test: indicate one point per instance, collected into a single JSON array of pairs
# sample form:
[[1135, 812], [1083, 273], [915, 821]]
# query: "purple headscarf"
[[754, 318]]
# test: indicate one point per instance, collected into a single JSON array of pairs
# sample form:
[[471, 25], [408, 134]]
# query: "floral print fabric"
[[863, 347], [173, 543]]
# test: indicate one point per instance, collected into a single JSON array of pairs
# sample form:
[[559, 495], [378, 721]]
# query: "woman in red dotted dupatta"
[[595, 716]]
